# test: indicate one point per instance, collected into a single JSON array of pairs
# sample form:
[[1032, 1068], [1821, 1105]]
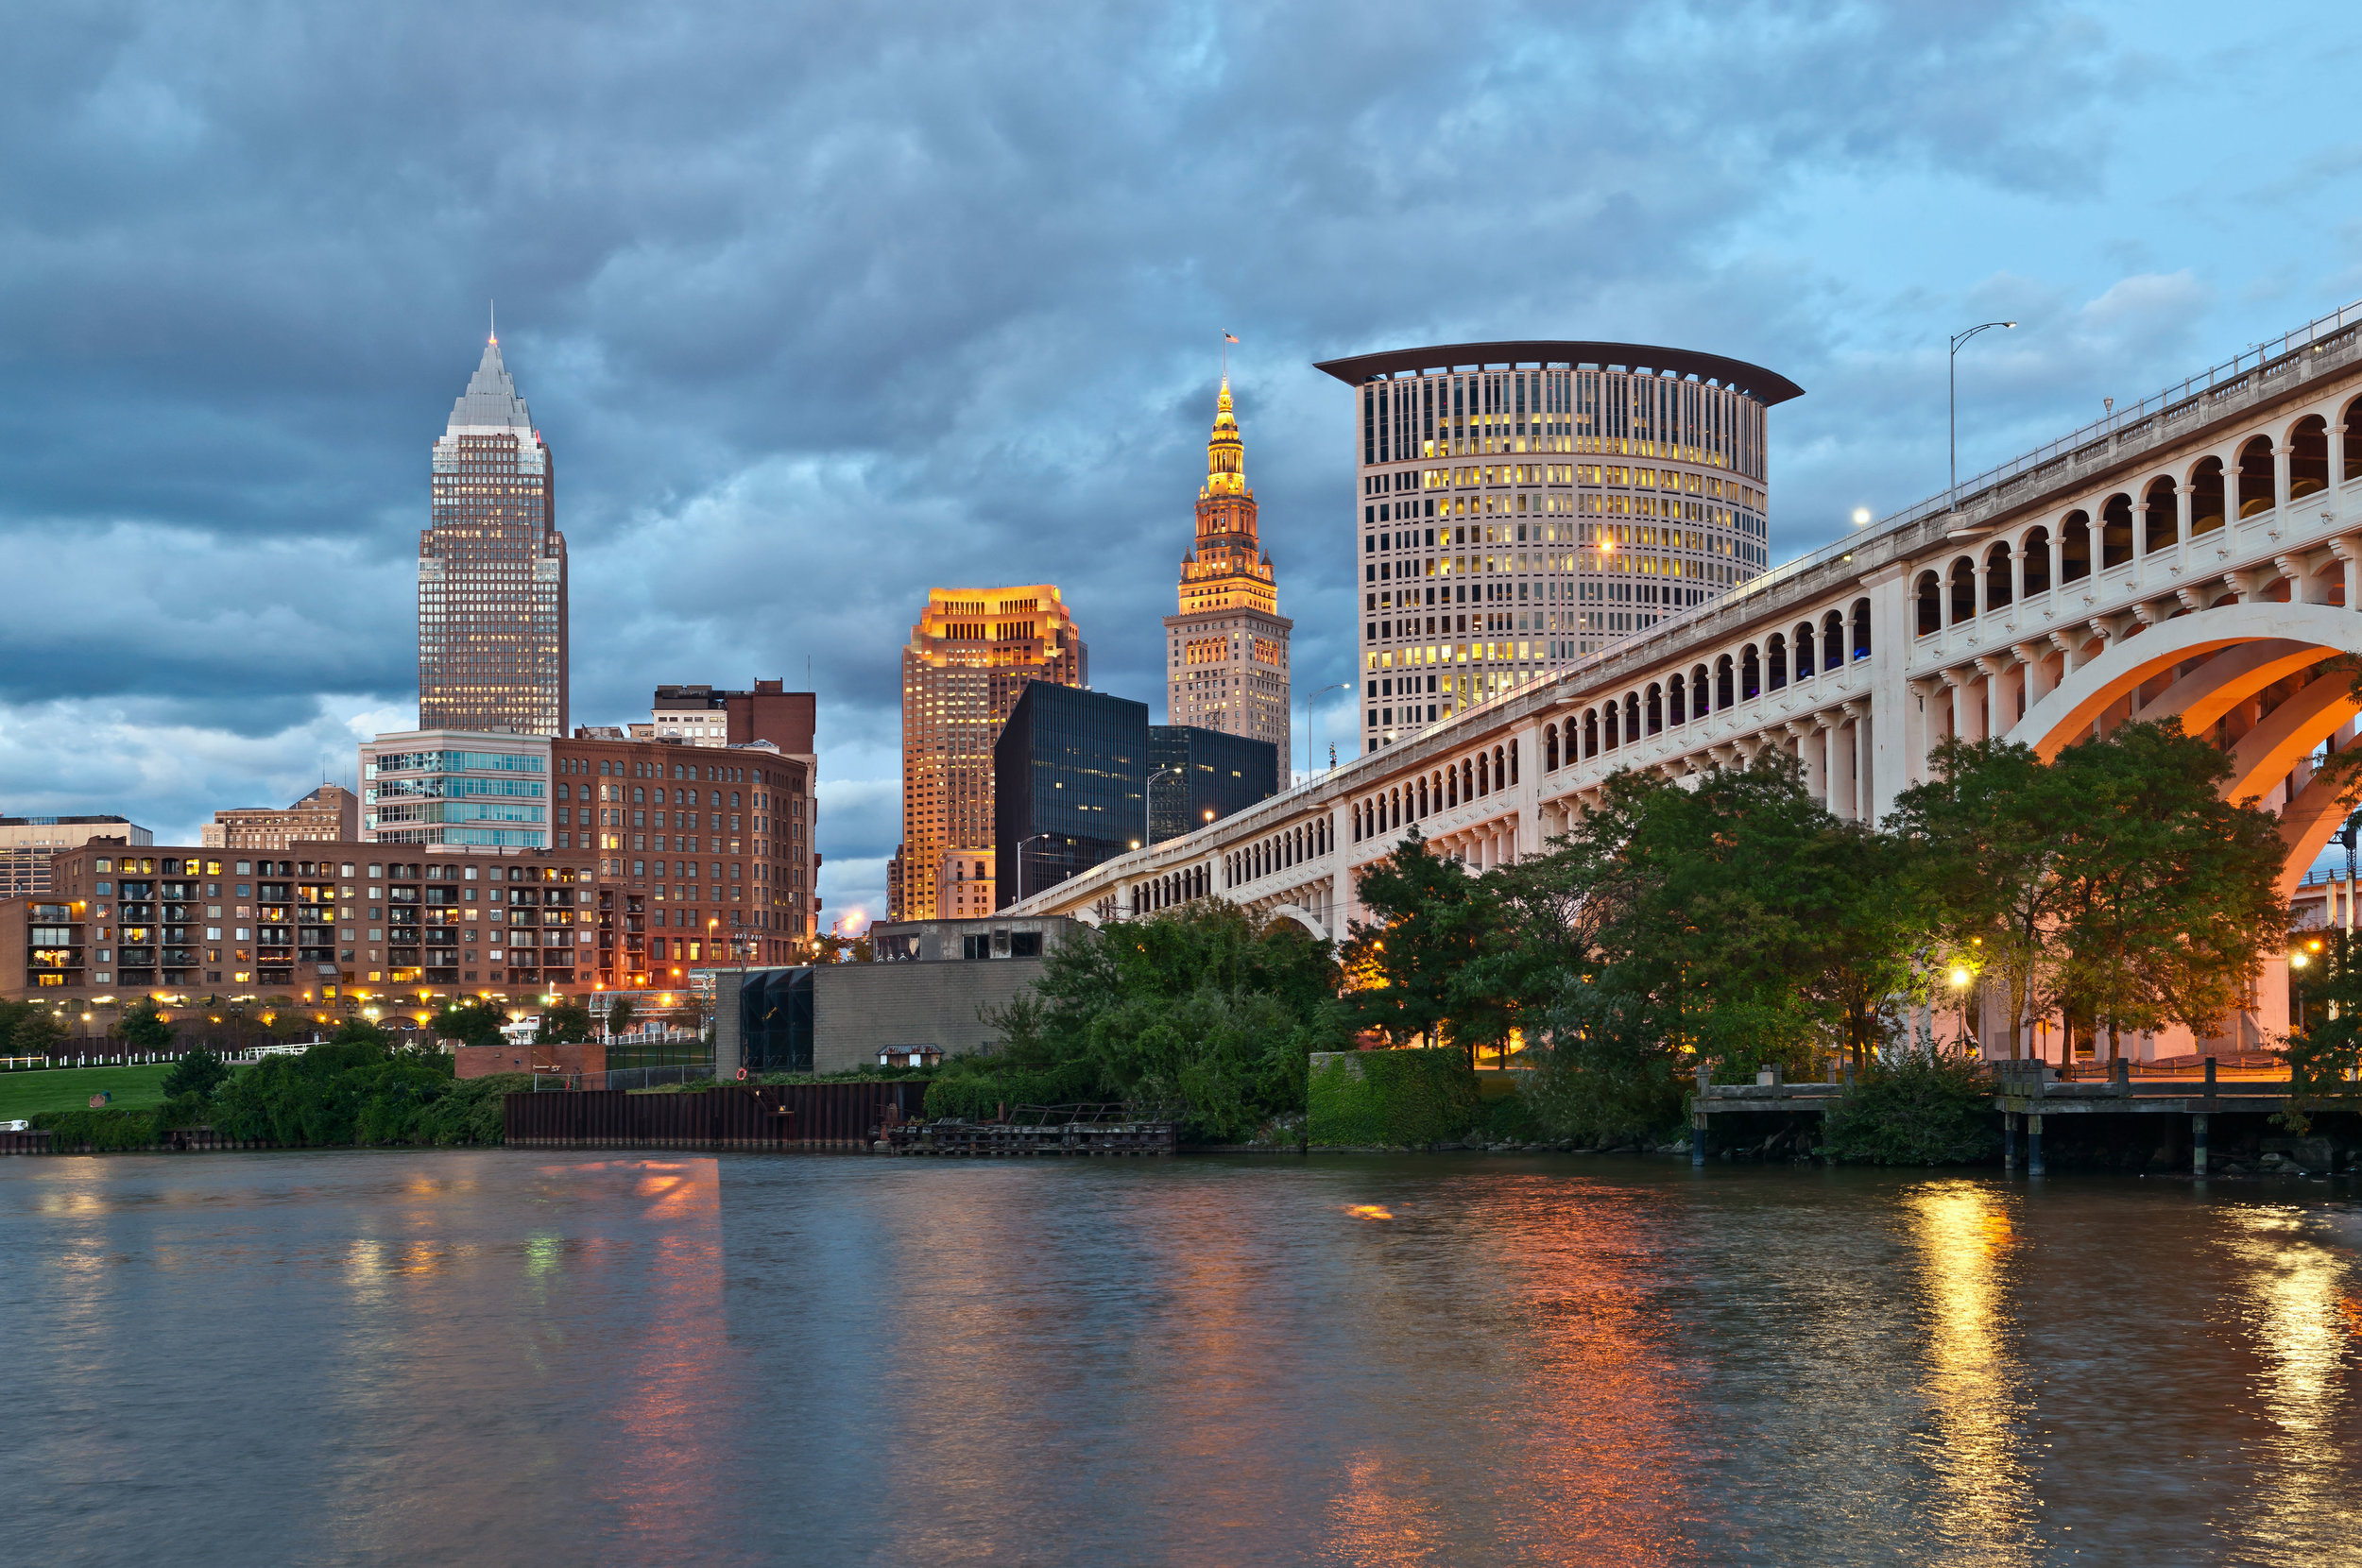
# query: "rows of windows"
[[1560, 410]]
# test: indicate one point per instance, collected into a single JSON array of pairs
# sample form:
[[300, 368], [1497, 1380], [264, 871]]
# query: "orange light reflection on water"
[[1602, 1450], [1974, 1386]]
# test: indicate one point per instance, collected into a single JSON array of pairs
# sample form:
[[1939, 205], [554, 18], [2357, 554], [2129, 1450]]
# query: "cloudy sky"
[[821, 305]]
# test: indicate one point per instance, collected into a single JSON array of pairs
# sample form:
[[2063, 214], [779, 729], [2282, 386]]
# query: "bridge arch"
[[2233, 653], [1303, 917]]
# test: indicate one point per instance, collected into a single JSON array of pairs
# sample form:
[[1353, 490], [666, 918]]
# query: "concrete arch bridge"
[[2197, 555]]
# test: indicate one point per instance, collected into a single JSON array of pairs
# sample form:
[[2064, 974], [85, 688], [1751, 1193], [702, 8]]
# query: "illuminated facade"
[[1525, 505], [493, 569], [1228, 650], [969, 659]]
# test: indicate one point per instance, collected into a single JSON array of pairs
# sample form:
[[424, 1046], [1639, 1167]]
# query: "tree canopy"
[[1209, 1011]]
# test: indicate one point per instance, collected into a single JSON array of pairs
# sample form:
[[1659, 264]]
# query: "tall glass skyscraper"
[[1524, 506], [493, 569]]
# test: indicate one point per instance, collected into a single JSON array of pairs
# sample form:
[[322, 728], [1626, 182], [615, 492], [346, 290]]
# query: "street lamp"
[[1952, 403], [1021, 860]]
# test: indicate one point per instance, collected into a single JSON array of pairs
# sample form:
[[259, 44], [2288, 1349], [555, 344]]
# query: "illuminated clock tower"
[[1228, 650]]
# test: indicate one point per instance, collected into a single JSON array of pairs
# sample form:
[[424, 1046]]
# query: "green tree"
[[1207, 1007], [1873, 925], [361, 1032], [1983, 844], [620, 1014], [565, 1023], [11, 1015], [2171, 896], [198, 1072], [1727, 916], [145, 1029], [470, 1023], [1409, 970], [37, 1033]]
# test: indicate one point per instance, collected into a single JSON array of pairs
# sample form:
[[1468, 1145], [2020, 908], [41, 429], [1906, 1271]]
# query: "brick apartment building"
[[323, 920], [703, 853]]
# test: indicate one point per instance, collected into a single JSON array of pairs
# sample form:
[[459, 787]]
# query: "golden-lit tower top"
[[1225, 453], [1227, 566], [1227, 651]]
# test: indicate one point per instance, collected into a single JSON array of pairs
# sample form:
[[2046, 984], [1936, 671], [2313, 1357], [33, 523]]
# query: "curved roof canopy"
[[1764, 387]]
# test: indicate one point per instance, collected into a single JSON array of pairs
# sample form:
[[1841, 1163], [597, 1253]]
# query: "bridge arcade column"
[[1857, 748], [1892, 758], [2282, 453], [1968, 701], [2002, 711], [2337, 468], [2033, 672]]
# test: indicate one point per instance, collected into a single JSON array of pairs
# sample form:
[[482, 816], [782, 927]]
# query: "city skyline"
[[764, 423]]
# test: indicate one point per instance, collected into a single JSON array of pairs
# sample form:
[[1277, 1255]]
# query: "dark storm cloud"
[[819, 306]]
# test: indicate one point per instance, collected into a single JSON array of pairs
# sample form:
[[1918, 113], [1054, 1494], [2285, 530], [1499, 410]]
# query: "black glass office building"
[[1198, 775], [1070, 786]]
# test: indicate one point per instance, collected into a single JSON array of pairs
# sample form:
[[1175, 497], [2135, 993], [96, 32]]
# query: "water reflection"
[[2298, 1315], [503, 1357], [1974, 1385]]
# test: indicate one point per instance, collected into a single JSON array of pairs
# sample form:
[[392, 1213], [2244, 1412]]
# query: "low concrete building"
[[932, 989]]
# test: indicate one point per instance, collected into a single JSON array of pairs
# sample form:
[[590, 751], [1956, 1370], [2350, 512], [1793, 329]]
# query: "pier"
[[1772, 1116]]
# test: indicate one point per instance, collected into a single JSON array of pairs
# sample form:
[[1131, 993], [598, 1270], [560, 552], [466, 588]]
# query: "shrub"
[[1391, 1097], [99, 1129], [1918, 1108], [197, 1073]]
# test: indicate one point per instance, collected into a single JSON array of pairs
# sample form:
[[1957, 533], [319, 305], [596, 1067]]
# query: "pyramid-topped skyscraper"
[[493, 569]]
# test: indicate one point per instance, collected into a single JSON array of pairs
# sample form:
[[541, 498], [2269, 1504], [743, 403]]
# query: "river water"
[[509, 1356]]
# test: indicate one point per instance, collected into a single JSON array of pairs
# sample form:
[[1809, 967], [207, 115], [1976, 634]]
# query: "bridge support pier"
[[2198, 1144], [2009, 1143], [2033, 1145]]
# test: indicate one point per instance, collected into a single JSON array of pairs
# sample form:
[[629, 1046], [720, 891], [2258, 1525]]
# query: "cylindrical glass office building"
[[1523, 504]]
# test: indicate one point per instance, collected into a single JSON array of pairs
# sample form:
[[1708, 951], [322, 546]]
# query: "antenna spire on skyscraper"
[[494, 309]]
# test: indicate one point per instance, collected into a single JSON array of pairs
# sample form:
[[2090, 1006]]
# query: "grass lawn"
[[25, 1093]]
